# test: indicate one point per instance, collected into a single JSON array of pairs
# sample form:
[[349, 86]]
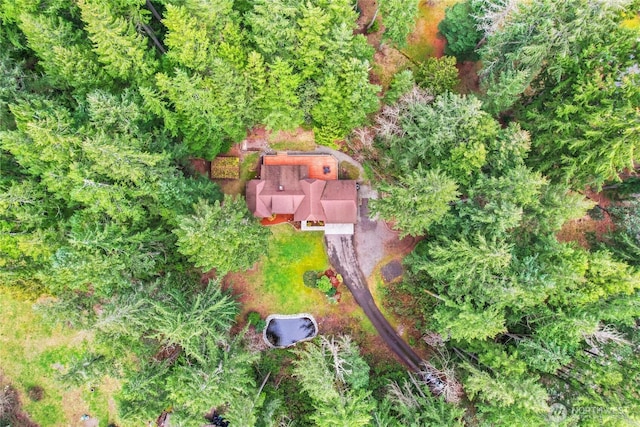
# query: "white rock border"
[[288, 316]]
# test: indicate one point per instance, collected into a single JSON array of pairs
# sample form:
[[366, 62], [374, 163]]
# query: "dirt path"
[[342, 255]]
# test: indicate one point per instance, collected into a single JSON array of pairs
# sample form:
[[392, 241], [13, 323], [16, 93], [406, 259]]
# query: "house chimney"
[[280, 187]]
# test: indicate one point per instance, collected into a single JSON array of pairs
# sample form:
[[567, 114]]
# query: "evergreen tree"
[[398, 17], [335, 377], [417, 201], [459, 28], [437, 75], [120, 48], [223, 236], [63, 53]]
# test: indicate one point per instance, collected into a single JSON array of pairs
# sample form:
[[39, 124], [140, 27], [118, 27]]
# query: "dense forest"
[[106, 228]]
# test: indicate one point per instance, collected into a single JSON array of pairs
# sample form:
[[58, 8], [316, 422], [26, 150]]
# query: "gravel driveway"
[[342, 255]]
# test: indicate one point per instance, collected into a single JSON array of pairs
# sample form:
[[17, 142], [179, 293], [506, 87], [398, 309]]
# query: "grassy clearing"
[[276, 286], [290, 254], [299, 140], [424, 41], [378, 290], [29, 352], [365, 324], [249, 166], [293, 146]]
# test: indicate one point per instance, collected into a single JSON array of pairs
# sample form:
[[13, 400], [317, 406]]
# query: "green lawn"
[[275, 285], [248, 166], [290, 254], [29, 352]]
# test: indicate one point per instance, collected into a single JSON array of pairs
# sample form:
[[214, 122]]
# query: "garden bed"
[[225, 168]]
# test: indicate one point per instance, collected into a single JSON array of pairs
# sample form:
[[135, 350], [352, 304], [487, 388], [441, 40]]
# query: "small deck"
[[321, 166]]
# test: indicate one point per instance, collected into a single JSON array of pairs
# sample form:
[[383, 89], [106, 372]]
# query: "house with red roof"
[[307, 187]]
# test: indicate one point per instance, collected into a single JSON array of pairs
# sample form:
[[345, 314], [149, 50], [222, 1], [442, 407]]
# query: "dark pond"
[[286, 332]]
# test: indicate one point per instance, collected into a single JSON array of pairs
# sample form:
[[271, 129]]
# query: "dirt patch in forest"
[[367, 10], [469, 79], [387, 61], [201, 166], [577, 230], [256, 140], [425, 41]]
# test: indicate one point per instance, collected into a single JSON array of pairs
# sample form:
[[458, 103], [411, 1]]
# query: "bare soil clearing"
[[424, 41], [577, 230]]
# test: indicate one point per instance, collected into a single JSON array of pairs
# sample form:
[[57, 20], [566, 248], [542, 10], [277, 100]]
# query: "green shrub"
[[459, 28], [401, 83], [328, 133], [310, 278], [331, 292], [254, 319], [438, 75], [374, 28], [324, 284]]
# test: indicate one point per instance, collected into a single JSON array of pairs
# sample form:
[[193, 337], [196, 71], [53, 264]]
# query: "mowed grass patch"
[[30, 351], [249, 166], [290, 254]]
